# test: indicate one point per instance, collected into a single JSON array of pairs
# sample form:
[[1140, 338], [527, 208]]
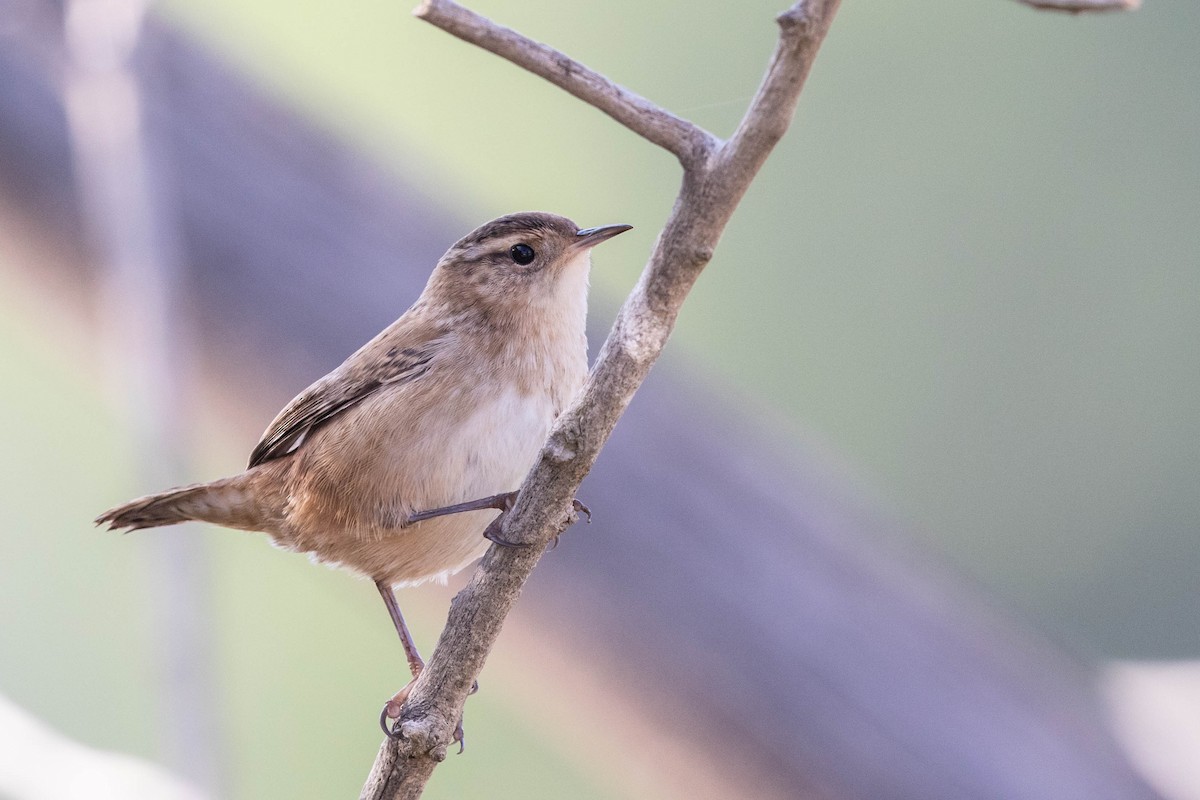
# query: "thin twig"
[[774, 105], [689, 142], [1083, 6], [716, 176]]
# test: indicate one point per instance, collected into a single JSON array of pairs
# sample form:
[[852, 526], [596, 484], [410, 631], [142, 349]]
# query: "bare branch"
[[1083, 6], [716, 176], [712, 188], [802, 29], [689, 142]]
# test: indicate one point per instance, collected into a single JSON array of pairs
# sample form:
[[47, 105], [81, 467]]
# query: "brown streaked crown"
[[537, 223]]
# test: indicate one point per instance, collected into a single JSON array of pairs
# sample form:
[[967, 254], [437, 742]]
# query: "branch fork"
[[716, 174]]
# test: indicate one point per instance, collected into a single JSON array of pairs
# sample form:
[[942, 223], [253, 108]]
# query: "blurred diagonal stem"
[[131, 231], [716, 174], [1083, 6]]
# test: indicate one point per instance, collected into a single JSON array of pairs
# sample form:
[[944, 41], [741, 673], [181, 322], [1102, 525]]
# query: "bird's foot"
[[501, 502], [391, 712], [493, 531], [394, 706], [459, 735]]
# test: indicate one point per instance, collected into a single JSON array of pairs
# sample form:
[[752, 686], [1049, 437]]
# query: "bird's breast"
[[497, 444]]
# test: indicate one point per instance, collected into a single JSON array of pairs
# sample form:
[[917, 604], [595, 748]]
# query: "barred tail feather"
[[221, 502]]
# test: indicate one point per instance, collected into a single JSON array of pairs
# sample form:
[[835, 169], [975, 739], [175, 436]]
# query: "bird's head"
[[517, 265]]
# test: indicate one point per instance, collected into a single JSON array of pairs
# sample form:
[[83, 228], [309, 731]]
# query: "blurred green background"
[[971, 269], [969, 273]]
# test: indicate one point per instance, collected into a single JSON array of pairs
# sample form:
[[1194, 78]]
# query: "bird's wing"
[[400, 354]]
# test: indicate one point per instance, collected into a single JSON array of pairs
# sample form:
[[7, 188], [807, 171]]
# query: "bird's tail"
[[225, 502]]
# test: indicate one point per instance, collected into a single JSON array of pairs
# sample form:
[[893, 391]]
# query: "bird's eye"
[[522, 254]]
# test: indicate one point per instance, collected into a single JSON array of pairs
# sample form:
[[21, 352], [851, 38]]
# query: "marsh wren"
[[449, 404]]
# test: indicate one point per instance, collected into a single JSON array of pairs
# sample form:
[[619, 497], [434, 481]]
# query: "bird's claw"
[[391, 714], [391, 711], [492, 533], [460, 737]]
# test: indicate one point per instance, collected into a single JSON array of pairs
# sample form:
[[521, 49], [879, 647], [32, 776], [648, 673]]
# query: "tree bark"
[[716, 176]]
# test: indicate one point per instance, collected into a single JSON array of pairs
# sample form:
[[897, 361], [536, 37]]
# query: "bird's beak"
[[590, 237]]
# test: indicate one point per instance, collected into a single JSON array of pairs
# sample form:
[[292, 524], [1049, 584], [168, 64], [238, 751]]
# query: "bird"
[[395, 464]]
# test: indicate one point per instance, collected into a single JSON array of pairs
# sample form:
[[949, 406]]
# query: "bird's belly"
[[448, 459]]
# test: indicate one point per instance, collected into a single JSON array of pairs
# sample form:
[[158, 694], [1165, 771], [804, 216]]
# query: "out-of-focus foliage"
[[971, 268]]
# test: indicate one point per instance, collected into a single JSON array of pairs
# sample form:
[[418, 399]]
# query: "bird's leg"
[[392, 708], [415, 664], [501, 502]]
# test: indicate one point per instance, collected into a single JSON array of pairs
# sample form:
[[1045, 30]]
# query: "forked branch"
[[687, 141], [715, 177]]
